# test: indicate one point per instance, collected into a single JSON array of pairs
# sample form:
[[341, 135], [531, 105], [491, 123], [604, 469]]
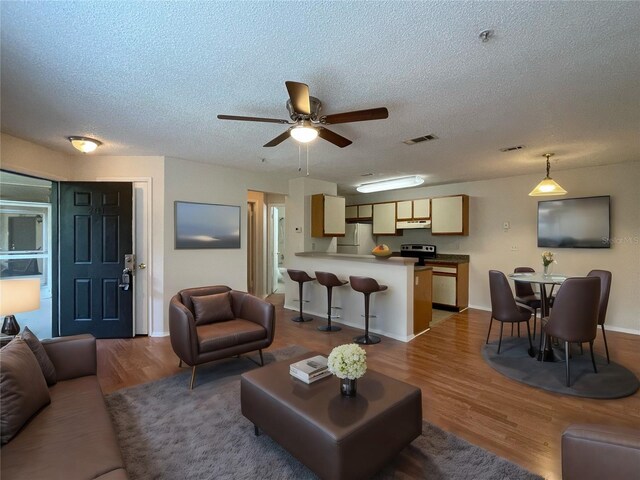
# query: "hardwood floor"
[[461, 393]]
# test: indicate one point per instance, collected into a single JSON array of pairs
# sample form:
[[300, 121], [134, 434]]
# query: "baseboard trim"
[[613, 328], [159, 334]]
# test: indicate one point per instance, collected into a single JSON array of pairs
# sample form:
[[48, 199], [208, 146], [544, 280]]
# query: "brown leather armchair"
[[248, 326]]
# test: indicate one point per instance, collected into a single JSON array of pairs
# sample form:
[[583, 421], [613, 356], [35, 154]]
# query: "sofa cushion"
[[71, 438], [48, 370], [212, 308], [23, 389], [217, 336]]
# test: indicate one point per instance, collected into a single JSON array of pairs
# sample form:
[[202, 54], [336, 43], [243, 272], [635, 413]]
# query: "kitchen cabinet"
[[384, 218], [404, 210], [327, 216], [450, 285], [422, 209], [365, 212], [351, 212], [450, 215], [422, 309]]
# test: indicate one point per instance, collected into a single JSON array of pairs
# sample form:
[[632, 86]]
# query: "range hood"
[[409, 224]]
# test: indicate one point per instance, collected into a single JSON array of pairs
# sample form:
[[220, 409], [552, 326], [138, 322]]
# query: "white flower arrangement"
[[348, 361], [547, 258]]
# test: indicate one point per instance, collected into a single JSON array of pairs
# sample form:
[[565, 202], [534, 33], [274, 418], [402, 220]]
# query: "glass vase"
[[348, 387], [547, 270]]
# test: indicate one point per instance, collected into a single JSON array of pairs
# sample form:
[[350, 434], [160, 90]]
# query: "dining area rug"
[[167, 431], [612, 380]]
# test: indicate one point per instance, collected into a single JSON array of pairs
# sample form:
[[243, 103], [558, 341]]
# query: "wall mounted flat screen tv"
[[575, 223]]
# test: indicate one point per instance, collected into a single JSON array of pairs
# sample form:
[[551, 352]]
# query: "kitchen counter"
[[394, 307], [449, 258]]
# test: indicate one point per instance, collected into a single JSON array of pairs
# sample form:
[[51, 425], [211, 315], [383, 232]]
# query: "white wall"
[[128, 168], [493, 202], [20, 156], [197, 182]]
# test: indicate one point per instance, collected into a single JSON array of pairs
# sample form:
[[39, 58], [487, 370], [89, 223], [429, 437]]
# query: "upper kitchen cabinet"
[[384, 218], [356, 213], [365, 212], [450, 215], [351, 212], [327, 216], [422, 209], [404, 210]]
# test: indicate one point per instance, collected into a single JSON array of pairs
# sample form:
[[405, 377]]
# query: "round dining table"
[[542, 280]]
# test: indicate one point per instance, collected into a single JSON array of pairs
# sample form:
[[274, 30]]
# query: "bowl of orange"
[[381, 251]]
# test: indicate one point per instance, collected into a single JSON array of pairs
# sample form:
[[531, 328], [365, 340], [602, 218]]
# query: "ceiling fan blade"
[[334, 138], [253, 119], [299, 95], [278, 140], [356, 116]]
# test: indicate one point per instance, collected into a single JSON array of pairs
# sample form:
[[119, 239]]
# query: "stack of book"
[[311, 369]]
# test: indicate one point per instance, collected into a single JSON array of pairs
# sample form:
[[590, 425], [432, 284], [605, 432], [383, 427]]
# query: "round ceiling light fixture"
[[84, 144], [304, 132]]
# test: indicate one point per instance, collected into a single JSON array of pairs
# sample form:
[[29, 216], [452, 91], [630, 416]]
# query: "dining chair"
[[605, 288], [504, 307], [574, 317], [526, 296]]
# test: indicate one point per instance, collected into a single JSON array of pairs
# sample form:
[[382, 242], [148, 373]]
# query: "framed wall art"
[[204, 225]]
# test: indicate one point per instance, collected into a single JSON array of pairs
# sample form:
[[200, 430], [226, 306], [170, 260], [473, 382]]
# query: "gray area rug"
[[611, 381], [168, 432]]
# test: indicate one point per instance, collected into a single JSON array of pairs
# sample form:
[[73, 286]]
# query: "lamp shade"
[[304, 133], [548, 186], [19, 295], [84, 144]]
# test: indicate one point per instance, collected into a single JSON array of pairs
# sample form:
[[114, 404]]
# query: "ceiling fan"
[[306, 121]]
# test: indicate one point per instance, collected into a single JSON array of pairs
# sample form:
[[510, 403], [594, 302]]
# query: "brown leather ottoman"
[[335, 436]]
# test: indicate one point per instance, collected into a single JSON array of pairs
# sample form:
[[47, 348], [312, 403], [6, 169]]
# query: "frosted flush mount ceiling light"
[[84, 144], [304, 133], [393, 184], [548, 186]]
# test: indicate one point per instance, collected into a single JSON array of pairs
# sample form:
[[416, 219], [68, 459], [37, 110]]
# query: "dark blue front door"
[[95, 235]]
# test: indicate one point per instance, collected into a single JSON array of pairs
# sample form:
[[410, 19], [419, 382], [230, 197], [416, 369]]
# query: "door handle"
[[142, 266], [125, 283]]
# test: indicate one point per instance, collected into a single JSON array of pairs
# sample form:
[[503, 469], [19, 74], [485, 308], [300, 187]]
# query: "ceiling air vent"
[[511, 149], [425, 138]]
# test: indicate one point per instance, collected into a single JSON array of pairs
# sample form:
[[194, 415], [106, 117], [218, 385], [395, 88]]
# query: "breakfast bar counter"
[[394, 308]]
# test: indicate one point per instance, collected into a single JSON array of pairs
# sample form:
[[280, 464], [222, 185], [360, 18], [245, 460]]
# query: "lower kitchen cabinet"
[[422, 310], [450, 285]]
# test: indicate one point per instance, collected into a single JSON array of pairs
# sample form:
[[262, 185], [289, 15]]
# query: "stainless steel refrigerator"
[[358, 239]]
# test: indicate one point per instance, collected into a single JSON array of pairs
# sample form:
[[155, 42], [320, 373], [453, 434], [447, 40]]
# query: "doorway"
[[276, 248]]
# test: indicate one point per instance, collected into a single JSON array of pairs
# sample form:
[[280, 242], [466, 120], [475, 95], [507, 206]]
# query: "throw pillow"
[[48, 370], [212, 308], [23, 389]]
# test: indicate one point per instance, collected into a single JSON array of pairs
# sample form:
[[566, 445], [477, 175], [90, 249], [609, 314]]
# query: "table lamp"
[[16, 296]]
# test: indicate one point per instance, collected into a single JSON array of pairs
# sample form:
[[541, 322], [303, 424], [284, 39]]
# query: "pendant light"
[[548, 186]]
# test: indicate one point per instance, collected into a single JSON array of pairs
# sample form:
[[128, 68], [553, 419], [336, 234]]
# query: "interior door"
[[96, 234]]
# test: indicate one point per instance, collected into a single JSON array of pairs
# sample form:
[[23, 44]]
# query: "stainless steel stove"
[[421, 251]]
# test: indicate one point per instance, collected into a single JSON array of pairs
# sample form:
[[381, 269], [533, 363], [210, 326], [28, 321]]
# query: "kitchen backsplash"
[[445, 244]]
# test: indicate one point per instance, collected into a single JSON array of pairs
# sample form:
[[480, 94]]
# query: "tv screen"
[[574, 223]]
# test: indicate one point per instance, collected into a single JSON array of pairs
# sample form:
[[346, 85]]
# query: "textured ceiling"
[[149, 78]]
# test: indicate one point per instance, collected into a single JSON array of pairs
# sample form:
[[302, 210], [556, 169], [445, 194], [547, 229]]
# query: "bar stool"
[[301, 277], [329, 280], [367, 286]]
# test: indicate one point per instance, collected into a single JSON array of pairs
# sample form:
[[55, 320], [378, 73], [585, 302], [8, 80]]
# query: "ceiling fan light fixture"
[[391, 184], [304, 133], [84, 144], [548, 186]]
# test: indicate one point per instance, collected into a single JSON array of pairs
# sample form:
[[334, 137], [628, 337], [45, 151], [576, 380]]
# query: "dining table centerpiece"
[[547, 260], [348, 363]]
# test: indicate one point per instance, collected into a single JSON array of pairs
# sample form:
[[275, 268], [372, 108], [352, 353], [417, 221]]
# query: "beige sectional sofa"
[[72, 437]]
